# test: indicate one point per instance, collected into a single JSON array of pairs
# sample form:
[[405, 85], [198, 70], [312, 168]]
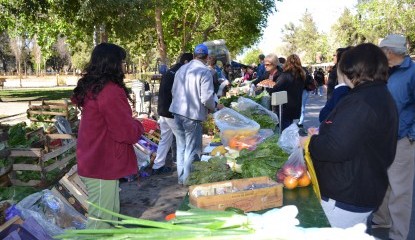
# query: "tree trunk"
[[103, 34], [161, 45]]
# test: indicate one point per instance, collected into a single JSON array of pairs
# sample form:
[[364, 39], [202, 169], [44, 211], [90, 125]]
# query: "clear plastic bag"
[[51, 213], [294, 167], [231, 123], [290, 139], [246, 104]]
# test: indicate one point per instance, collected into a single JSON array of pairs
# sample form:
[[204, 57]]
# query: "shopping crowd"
[[363, 151]]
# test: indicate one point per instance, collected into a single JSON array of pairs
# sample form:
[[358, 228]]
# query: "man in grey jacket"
[[193, 98]]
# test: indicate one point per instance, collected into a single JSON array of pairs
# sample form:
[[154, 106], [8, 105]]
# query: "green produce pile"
[[17, 136], [264, 120], [227, 101], [265, 160], [16, 193], [215, 170]]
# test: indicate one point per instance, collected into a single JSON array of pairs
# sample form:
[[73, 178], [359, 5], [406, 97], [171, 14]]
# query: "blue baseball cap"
[[201, 49]]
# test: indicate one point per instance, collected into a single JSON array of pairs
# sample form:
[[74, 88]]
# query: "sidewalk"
[[13, 112]]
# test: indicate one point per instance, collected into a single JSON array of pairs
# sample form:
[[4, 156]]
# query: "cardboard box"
[[249, 194]]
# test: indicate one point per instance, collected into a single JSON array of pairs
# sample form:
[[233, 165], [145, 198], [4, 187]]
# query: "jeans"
[[303, 103], [189, 145], [166, 127], [320, 90]]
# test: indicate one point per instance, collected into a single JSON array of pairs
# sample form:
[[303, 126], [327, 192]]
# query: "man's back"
[[193, 91]]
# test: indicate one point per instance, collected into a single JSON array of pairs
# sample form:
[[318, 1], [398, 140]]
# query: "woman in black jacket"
[[291, 80], [357, 141]]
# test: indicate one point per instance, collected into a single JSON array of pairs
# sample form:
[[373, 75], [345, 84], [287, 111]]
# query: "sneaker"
[[375, 225], [161, 170]]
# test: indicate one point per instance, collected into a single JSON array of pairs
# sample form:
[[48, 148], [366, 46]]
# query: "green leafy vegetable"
[[215, 170], [265, 160]]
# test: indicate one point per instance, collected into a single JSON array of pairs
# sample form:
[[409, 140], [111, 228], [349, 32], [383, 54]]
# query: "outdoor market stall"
[[242, 174]]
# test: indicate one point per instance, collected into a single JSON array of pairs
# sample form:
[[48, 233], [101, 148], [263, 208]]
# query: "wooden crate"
[[237, 193], [5, 163], [72, 190], [42, 158], [48, 110]]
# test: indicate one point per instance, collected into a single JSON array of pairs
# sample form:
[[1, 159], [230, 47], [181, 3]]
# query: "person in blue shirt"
[[395, 211], [261, 66]]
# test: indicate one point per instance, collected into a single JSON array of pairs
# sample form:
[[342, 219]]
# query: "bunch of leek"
[[192, 224]]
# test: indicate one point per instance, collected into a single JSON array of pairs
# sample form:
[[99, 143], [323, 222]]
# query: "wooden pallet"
[[48, 110], [43, 158], [6, 164]]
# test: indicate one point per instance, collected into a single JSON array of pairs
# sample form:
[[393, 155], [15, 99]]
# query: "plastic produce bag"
[[51, 213], [294, 167], [289, 139], [246, 104], [232, 123]]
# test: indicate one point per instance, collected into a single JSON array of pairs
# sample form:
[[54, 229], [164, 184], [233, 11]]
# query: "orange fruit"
[[304, 180], [290, 182]]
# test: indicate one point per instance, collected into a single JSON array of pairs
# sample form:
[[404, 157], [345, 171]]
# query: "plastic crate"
[[149, 125]]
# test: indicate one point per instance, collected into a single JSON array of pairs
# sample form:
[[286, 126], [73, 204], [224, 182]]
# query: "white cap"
[[394, 41]]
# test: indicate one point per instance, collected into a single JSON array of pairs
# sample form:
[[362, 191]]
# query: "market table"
[[310, 212]]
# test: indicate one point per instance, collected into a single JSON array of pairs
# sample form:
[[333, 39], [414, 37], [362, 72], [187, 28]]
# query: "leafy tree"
[[251, 57], [187, 23], [346, 30], [304, 40], [378, 18]]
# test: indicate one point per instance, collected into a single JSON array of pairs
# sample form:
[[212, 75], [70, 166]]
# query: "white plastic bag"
[[289, 139]]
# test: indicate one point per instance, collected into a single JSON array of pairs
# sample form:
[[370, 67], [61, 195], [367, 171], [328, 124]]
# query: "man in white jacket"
[[193, 98]]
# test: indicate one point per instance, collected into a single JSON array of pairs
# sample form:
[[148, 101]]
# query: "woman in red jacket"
[[107, 130]]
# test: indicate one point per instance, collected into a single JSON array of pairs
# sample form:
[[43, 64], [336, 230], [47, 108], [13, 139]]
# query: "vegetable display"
[[215, 170], [192, 224], [265, 160]]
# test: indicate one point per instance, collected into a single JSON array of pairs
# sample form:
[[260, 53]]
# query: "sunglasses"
[[268, 64]]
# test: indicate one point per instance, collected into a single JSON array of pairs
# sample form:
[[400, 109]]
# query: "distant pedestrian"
[[319, 78], [261, 66], [332, 78]]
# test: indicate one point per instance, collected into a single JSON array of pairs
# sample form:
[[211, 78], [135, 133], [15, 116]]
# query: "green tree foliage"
[[374, 20], [251, 57], [304, 40], [346, 30], [379, 18], [187, 23]]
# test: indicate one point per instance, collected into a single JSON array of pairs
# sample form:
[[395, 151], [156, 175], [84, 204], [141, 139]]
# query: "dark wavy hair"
[[365, 62], [106, 65]]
